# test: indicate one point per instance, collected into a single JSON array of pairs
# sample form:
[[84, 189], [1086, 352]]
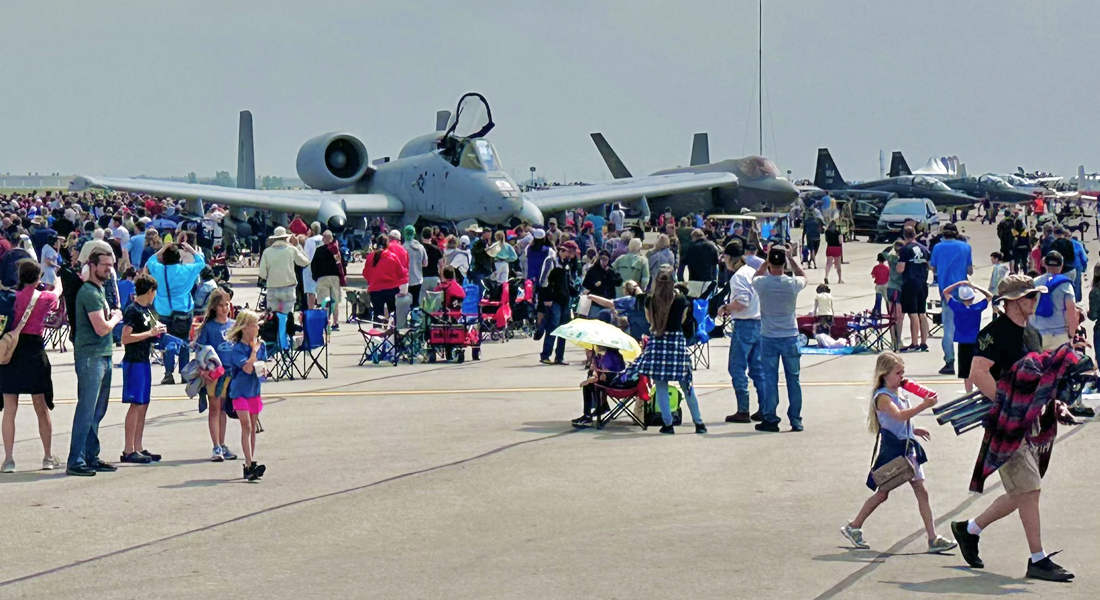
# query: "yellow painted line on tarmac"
[[514, 390]]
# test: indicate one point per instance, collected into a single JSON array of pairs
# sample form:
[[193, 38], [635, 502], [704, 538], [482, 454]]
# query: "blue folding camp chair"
[[280, 355], [314, 346], [471, 317], [698, 346]]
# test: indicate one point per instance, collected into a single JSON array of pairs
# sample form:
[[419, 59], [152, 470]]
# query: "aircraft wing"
[[289, 201], [622, 190]]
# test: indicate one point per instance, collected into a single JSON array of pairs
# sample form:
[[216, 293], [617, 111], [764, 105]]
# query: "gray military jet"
[[991, 186], [828, 178], [453, 175], [758, 181]]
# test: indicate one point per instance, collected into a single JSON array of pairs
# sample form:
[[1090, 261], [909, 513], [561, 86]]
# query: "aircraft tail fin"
[[616, 166], [442, 118], [1080, 175], [962, 171], [700, 150], [246, 156], [898, 166], [827, 176]]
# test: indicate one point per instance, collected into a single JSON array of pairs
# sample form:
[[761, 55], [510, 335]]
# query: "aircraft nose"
[[778, 191]]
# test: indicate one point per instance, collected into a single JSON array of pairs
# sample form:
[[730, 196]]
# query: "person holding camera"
[[175, 305], [778, 293]]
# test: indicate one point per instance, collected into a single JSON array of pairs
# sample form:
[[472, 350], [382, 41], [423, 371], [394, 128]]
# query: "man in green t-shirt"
[[92, 348]]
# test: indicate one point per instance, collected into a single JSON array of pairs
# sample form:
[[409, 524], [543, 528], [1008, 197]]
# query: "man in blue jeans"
[[952, 261], [778, 294], [92, 356], [744, 310], [556, 294]]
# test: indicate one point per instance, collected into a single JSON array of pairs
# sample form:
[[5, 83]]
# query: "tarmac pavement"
[[467, 481]]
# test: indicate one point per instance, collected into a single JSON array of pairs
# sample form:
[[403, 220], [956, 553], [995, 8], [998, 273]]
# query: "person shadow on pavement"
[[974, 582]]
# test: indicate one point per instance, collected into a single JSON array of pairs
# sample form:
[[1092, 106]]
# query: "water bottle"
[[404, 307], [917, 389]]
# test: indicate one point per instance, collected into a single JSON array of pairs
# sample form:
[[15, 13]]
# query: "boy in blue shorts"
[[967, 311], [139, 328]]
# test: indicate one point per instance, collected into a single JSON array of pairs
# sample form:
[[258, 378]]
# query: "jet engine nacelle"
[[332, 161], [332, 215]]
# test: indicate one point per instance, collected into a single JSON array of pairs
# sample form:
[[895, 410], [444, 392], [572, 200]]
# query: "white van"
[[899, 210]]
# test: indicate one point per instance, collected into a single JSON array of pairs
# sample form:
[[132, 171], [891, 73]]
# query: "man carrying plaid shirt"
[[1000, 345]]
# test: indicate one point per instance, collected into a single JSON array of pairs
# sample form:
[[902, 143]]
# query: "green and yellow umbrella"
[[589, 333]]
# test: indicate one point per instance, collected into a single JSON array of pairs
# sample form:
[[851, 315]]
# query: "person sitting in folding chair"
[[607, 367], [453, 294]]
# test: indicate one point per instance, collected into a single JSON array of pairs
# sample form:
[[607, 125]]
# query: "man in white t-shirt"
[[309, 284], [121, 233], [617, 216], [743, 309]]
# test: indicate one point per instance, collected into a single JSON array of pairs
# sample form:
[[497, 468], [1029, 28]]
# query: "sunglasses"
[[1032, 295]]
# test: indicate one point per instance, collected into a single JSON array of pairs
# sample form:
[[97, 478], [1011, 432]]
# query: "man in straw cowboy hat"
[[277, 268]]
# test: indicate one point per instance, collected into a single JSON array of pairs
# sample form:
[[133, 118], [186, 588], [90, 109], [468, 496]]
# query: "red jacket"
[[298, 227], [453, 294], [388, 274], [400, 252]]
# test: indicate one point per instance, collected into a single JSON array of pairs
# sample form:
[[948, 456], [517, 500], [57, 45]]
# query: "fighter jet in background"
[[1088, 184], [828, 178], [996, 188], [758, 181], [1040, 177], [452, 175]]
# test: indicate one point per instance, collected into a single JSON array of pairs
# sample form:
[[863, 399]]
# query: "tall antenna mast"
[[760, 73]]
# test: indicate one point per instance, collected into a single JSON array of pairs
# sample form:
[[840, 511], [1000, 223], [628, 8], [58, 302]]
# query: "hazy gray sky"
[[126, 88]]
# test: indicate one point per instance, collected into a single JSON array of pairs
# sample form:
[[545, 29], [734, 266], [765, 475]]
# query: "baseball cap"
[[966, 293], [777, 256], [571, 246], [734, 249], [539, 234], [1014, 287], [1053, 259]]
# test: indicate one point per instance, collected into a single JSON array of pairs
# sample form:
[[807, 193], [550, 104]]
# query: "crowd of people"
[[132, 271]]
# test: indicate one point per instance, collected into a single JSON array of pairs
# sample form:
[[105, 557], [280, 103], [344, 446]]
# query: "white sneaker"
[[854, 535], [50, 463], [9, 467], [941, 544]]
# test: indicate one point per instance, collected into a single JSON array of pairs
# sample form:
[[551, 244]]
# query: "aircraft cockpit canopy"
[[479, 155], [929, 183], [993, 181], [470, 122], [758, 167], [472, 118]]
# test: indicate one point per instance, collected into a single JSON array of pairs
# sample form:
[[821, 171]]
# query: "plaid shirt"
[[1023, 412]]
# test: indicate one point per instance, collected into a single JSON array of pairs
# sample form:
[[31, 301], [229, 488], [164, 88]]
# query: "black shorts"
[[964, 355], [814, 244], [914, 299]]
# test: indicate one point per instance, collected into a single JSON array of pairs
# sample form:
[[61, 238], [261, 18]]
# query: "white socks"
[[973, 528], [1038, 556]]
